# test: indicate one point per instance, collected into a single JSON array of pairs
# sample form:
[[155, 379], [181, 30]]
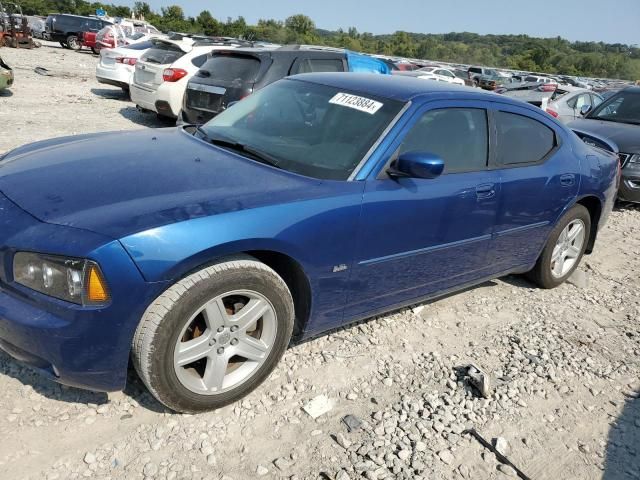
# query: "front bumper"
[[85, 347], [629, 190]]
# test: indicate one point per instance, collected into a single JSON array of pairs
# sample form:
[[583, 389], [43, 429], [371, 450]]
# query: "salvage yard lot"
[[566, 364]]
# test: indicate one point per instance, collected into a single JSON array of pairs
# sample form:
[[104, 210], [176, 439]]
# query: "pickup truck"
[[88, 39]]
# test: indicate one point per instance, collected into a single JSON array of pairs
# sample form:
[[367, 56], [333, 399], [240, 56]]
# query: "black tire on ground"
[[64, 44], [541, 273], [95, 51], [73, 43], [162, 323]]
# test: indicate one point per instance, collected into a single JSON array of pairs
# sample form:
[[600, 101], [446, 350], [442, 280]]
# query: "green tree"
[[300, 24]]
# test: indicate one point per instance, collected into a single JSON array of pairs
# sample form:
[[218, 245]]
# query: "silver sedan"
[[567, 102]]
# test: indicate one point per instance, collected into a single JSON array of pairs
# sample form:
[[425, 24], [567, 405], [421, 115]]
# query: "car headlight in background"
[[633, 163], [75, 280]]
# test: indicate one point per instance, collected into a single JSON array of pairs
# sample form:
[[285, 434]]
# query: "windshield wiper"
[[258, 155]]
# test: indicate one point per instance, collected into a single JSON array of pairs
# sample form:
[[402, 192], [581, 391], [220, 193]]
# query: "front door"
[[418, 236]]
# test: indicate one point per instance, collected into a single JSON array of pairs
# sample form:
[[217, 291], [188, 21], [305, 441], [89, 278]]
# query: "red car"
[[88, 39]]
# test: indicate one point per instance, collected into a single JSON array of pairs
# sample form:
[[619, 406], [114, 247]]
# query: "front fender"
[[317, 234]]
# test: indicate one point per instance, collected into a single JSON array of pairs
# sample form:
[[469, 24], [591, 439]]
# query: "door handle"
[[567, 180], [486, 190]]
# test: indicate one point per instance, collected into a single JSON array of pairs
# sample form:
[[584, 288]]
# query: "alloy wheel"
[[568, 248], [225, 342]]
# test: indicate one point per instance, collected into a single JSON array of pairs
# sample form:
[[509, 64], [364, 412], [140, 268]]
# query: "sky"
[[610, 21]]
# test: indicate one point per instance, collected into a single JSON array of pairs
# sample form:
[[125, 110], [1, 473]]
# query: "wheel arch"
[[594, 205], [280, 260]]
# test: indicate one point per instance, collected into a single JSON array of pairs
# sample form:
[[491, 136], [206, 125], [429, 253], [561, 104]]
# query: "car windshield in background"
[[163, 53], [306, 128], [623, 107], [233, 67]]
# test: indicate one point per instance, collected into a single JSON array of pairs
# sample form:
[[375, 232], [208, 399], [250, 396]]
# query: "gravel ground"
[[565, 364]]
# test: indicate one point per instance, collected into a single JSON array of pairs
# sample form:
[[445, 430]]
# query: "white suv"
[[162, 73]]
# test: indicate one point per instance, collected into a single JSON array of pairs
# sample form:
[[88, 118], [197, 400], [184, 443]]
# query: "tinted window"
[[440, 132], [233, 67], [531, 79], [163, 54], [199, 60], [597, 100], [475, 70], [309, 65], [623, 107], [522, 139]]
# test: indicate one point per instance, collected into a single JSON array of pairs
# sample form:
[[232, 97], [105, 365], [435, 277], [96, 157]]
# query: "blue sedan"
[[200, 252]]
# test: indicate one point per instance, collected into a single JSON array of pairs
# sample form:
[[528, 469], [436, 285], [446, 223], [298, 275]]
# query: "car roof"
[[397, 87], [291, 51]]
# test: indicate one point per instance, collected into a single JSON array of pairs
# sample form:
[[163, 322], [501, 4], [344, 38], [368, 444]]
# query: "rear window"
[[233, 67], [475, 70], [139, 46], [309, 65], [531, 79], [163, 54]]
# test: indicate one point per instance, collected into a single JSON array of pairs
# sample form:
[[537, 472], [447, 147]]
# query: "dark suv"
[[230, 75], [66, 28]]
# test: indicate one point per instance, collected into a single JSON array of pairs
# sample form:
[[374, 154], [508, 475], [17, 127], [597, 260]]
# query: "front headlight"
[[75, 280]]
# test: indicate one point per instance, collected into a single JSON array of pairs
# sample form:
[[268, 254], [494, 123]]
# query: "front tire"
[[214, 336], [564, 249]]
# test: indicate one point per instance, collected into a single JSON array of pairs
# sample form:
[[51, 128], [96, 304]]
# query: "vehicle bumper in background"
[[629, 189], [6, 79], [143, 98], [117, 77]]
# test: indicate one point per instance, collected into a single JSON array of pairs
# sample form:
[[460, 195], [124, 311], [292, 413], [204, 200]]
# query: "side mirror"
[[584, 109], [417, 165]]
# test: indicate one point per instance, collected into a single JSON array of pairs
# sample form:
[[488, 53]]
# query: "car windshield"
[[623, 108], [310, 129]]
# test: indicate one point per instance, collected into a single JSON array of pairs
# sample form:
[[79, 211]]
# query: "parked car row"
[[191, 78]]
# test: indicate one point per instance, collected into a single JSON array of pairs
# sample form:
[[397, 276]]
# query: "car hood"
[[624, 135], [121, 183]]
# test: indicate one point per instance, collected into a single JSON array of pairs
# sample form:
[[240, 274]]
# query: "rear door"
[[150, 68], [539, 177]]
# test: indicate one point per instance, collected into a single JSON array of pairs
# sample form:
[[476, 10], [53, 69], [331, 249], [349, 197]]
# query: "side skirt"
[[434, 296]]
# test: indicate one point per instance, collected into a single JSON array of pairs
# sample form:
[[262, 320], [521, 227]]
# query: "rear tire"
[[182, 371], [73, 43], [95, 51], [562, 253]]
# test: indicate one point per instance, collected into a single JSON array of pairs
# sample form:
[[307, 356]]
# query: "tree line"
[[520, 52]]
